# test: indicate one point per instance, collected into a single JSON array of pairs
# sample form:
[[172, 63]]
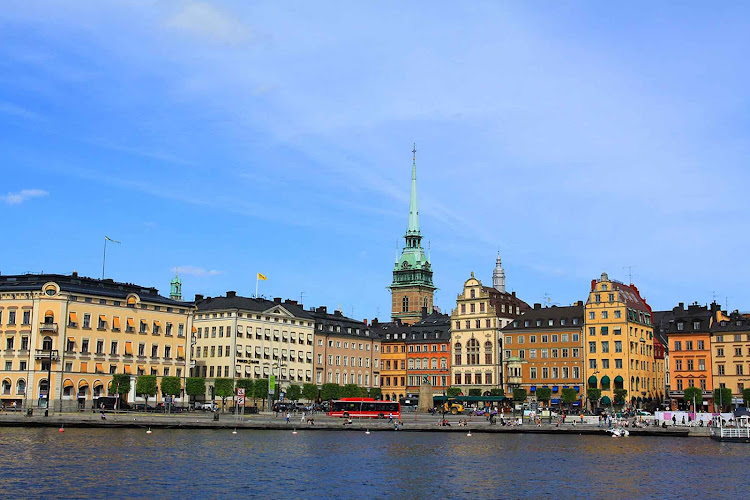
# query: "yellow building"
[[730, 351], [240, 337], [619, 343], [78, 331]]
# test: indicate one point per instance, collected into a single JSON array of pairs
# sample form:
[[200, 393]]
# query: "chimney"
[[337, 312], [198, 297], [537, 305], [579, 303], [277, 300], [75, 274], [375, 322], [290, 301], [593, 285], [364, 321], [682, 306], [513, 293], [231, 294], [322, 310], [424, 312]]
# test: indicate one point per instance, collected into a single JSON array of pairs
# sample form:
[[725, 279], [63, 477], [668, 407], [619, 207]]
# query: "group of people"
[[13, 406]]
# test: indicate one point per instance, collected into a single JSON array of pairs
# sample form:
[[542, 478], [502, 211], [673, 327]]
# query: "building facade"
[[476, 335], [619, 343], [412, 288], [240, 337], [730, 352], [428, 354], [393, 353], [346, 351], [70, 334], [544, 348]]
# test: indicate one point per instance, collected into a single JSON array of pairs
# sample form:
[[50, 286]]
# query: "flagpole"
[[104, 259], [256, 285]]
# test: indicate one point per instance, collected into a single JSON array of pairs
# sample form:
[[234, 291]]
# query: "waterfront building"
[[688, 332], [544, 348], [72, 333], [730, 351], [347, 351], [393, 353], [241, 337], [476, 334], [412, 288], [428, 354], [619, 343]]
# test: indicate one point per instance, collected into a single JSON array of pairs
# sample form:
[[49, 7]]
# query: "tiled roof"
[[544, 314], [249, 304]]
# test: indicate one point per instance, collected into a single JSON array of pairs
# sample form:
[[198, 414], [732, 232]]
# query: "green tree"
[[519, 394], [293, 392], [723, 398], [260, 390], [543, 394], [330, 391], [620, 395], [120, 384], [249, 385], [497, 392], [453, 391], [195, 386], [310, 392], [746, 396], [694, 394], [569, 396], [171, 386], [594, 395], [224, 388], [475, 392], [145, 385], [375, 393], [349, 391]]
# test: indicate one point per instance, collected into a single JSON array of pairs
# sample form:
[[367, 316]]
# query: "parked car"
[[142, 407], [108, 403], [211, 406], [644, 413]]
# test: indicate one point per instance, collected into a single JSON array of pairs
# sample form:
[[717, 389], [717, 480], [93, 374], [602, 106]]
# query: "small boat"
[[619, 432], [738, 433]]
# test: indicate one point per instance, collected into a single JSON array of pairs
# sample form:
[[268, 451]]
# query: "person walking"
[[288, 416], [674, 420], [390, 418], [302, 420]]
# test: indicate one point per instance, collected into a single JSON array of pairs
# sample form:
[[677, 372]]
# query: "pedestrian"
[[303, 418], [674, 420], [683, 420], [600, 420], [288, 416], [390, 418]]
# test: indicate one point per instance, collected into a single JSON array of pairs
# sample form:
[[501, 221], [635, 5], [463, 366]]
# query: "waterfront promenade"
[[423, 423]]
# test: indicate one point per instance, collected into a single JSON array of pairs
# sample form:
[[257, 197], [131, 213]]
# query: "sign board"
[[241, 392], [272, 384], [240, 400]]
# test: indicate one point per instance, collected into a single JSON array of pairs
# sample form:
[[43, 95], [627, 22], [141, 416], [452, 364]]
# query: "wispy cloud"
[[23, 195], [208, 22], [196, 271], [18, 111]]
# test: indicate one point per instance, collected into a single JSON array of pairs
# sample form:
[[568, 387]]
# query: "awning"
[[128, 371], [249, 349], [555, 401], [131, 323], [142, 368], [238, 369], [605, 381], [606, 401], [157, 323], [49, 313], [116, 322], [577, 388], [257, 349], [533, 388], [592, 380], [618, 380], [71, 339], [99, 368], [68, 383], [84, 367], [128, 348], [98, 383], [72, 318], [555, 388], [180, 352], [239, 349], [247, 369], [82, 384], [102, 318]]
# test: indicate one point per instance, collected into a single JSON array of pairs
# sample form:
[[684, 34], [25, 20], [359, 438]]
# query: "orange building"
[[428, 354], [392, 358]]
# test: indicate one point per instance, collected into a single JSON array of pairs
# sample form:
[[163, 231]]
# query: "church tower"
[[498, 275], [412, 287], [175, 289]]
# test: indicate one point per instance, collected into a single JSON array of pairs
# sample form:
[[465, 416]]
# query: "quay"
[[322, 423]]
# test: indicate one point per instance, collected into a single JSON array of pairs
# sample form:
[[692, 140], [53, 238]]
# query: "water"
[[102, 463]]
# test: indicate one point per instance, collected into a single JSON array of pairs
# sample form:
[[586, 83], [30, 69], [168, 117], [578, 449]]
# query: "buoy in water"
[[294, 431], [234, 431], [368, 431], [148, 431], [469, 434], [61, 429]]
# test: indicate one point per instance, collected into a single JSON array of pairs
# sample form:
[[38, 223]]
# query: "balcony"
[[48, 328], [43, 354], [512, 380]]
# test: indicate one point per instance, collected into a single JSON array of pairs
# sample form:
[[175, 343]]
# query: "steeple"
[[413, 228], [175, 289], [498, 275]]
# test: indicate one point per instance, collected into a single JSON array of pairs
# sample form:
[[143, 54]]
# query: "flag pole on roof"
[[104, 259], [258, 277]]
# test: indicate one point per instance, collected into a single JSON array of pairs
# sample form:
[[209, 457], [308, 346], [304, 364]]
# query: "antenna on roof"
[[630, 273]]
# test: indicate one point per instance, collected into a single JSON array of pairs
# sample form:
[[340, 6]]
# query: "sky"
[[230, 138]]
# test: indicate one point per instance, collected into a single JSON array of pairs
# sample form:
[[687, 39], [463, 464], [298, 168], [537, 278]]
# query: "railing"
[[48, 327], [42, 354], [731, 432]]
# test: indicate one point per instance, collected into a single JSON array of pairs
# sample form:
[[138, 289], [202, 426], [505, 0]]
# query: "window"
[[688, 345], [86, 320], [592, 364], [457, 353], [605, 330], [605, 347], [618, 346], [618, 314], [721, 369], [605, 315], [472, 352], [592, 331], [488, 353], [605, 364], [592, 347], [701, 345], [739, 370], [532, 353], [690, 364], [678, 364], [701, 364], [678, 345], [113, 348], [405, 304], [532, 339], [592, 315]]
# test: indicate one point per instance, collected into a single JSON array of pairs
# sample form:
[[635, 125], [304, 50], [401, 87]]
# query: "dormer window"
[[680, 326], [696, 325]]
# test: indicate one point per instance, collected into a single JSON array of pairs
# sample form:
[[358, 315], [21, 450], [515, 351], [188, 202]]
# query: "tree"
[[620, 395], [310, 392], [260, 389], [330, 391], [195, 386], [453, 391], [171, 386], [224, 388], [145, 385], [569, 396], [293, 392], [376, 393], [594, 395], [349, 391], [543, 394], [723, 398], [694, 394], [497, 392], [475, 392], [746, 396], [120, 384], [519, 394], [247, 384]]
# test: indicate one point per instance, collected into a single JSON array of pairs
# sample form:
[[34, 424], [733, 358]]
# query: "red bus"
[[365, 407]]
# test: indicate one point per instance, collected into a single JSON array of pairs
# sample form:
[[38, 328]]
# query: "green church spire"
[[413, 228], [175, 289]]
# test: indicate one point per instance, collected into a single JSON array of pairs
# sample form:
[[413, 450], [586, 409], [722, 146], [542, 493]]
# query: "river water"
[[98, 463]]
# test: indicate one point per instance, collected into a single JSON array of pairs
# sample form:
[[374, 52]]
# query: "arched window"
[[434, 364], [405, 304], [472, 352], [457, 352], [47, 344], [418, 363], [49, 317], [43, 386], [6, 386], [488, 353], [21, 387], [424, 302], [425, 363]]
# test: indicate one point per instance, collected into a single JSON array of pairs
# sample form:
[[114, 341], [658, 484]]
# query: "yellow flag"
[[262, 277]]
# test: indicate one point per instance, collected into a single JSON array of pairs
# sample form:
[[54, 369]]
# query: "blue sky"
[[230, 138]]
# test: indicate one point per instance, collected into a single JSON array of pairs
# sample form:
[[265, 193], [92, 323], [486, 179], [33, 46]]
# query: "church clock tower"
[[412, 287]]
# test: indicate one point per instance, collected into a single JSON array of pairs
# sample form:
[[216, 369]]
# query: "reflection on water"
[[170, 463]]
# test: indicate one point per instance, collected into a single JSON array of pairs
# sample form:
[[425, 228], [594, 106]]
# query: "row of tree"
[[722, 397]]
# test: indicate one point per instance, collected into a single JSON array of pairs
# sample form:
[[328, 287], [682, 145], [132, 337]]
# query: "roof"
[[337, 319], [631, 296], [545, 314], [667, 322], [736, 323], [233, 301], [83, 285]]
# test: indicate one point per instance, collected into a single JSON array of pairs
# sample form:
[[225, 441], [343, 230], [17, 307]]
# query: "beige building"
[[240, 337], [476, 336], [347, 351], [76, 332]]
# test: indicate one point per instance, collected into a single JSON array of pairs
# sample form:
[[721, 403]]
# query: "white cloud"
[[23, 195], [208, 22], [196, 271], [13, 110]]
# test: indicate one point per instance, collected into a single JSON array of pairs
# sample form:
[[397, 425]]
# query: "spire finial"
[[414, 154]]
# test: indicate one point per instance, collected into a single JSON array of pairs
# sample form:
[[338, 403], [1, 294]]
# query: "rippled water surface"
[[211, 463]]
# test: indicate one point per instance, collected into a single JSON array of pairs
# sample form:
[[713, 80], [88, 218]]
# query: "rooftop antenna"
[[301, 298], [547, 299], [726, 303], [630, 273]]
